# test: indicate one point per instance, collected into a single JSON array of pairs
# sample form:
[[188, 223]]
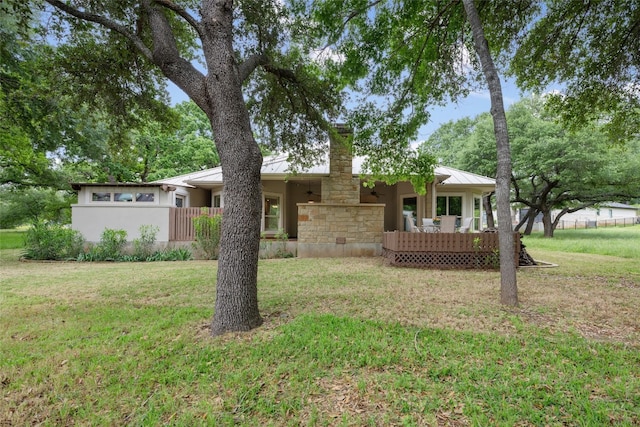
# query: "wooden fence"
[[444, 250], [181, 222]]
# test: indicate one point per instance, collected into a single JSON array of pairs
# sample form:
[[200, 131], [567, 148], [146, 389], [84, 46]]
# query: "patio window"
[[449, 205], [272, 213]]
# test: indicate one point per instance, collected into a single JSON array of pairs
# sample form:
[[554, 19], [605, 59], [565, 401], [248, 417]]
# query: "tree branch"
[[182, 13], [250, 64], [105, 22]]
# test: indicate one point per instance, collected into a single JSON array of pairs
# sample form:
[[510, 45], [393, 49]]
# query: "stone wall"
[[341, 187], [335, 230]]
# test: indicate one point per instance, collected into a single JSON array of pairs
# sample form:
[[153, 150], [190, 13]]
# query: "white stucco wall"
[[92, 219]]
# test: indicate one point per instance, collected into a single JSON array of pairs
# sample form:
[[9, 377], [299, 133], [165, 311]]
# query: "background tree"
[[590, 49], [254, 72], [554, 169]]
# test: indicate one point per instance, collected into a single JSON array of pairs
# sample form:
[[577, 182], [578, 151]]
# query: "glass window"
[[144, 197], [179, 202], [271, 213], [449, 205], [123, 197], [101, 197], [217, 201]]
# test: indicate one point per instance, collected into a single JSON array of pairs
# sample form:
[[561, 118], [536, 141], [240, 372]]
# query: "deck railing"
[[444, 250], [181, 222]]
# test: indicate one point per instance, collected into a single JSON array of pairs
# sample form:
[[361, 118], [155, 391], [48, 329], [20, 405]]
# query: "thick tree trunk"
[[486, 202], [547, 223], [236, 306], [508, 284]]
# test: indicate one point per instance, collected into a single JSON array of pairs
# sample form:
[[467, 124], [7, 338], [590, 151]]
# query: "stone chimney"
[[341, 187]]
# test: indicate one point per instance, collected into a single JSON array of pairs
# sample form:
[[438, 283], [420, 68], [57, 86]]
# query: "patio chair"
[[448, 224], [411, 222], [428, 226], [466, 225]]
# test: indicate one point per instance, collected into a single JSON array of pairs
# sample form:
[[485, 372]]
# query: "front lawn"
[[345, 342]]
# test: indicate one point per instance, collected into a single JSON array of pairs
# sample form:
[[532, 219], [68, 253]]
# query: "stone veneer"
[[340, 225], [335, 230]]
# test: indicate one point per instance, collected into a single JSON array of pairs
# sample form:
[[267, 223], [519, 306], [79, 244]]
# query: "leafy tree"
[[553, 168], [256, 72], [589, 48], [399, 58]]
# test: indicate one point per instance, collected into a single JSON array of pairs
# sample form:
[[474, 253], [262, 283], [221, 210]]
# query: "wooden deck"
[[443, 250]]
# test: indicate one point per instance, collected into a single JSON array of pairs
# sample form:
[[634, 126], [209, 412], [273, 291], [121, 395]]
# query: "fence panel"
[[181, 222]]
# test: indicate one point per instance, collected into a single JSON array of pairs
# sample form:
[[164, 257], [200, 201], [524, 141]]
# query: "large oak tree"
[[243, 63]]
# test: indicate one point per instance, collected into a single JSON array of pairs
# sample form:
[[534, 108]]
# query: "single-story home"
[[603, 214], [325, 208]]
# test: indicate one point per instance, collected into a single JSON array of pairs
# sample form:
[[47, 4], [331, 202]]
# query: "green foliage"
[[586, 48], [48, 241], [111, 245], [32, 205], [208, 231], [143, 247]]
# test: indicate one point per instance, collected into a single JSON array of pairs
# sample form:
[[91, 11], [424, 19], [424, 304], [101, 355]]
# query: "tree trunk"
[[236, 306], [486, 202], [530, 222], [508, 284], [547, 223]]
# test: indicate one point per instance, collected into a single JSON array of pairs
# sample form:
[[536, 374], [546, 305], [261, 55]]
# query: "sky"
[[475, 103]]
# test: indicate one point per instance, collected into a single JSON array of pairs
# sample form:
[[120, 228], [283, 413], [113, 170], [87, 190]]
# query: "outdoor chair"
[[411, 222], [428, 226], [448, 224], [466, 225]]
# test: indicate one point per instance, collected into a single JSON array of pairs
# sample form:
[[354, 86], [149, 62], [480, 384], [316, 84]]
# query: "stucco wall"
[[91, 220]]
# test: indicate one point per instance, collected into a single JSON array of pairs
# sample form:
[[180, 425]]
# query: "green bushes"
[[56, 242], [113, 243], [208, 230], [46, 241]]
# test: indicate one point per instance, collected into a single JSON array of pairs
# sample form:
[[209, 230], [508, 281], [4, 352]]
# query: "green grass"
[[619, 241], [345, 342], [11, 239]]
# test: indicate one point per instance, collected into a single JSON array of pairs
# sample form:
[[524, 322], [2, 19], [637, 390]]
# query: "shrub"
[[143, 247], [208, 230], [112, 243], [45, 241]]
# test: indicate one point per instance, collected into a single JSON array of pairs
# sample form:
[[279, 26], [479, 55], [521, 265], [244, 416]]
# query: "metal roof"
[[278, 167]]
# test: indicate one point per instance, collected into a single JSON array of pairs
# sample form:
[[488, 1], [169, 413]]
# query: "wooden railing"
[[181, 222], [444, 250]]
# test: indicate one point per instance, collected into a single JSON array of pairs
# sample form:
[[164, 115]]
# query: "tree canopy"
[[553, 168]]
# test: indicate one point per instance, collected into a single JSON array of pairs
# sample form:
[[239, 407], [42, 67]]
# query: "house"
[[325, 208]]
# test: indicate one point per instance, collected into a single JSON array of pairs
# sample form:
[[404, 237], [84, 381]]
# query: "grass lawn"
[[11, 239], [345, 342]]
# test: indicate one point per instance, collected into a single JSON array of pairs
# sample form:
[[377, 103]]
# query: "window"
[[217, 200], [101, 197], [179, 201], [123, 197], [129, 197], [145, 197], [272, 209], [449, 205]]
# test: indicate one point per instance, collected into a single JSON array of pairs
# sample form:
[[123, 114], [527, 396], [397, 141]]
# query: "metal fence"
[[592, 223]]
